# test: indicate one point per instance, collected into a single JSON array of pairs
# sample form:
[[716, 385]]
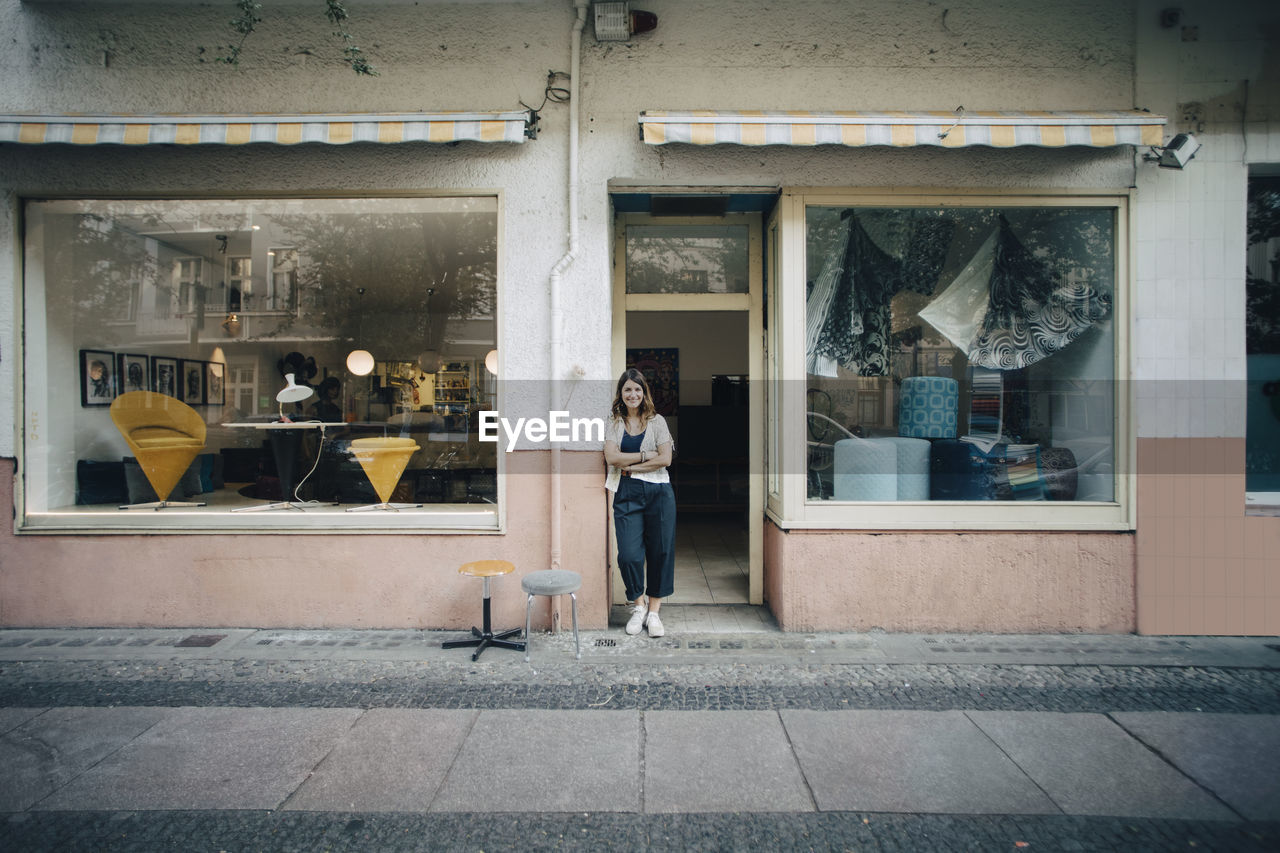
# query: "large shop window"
[[164, 341], [961, 354], [1262, 343]]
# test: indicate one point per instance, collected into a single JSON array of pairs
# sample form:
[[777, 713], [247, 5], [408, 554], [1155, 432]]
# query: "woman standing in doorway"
[[638, 450]]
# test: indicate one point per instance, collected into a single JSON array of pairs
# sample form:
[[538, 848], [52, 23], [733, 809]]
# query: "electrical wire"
[[314, 466], [551, 92]]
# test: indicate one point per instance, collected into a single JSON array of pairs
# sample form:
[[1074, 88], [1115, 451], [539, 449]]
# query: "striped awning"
[[1000, 129], [277, 129]]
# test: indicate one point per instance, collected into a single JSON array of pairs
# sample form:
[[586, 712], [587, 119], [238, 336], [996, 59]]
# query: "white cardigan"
[[656, 434]]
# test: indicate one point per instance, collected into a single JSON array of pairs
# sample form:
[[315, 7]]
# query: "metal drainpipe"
[[557, 315]]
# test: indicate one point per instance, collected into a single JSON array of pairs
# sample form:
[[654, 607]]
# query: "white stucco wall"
[[884, 54], [881, 54]]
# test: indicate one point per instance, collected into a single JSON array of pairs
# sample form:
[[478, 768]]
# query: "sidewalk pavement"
[[270, 739]]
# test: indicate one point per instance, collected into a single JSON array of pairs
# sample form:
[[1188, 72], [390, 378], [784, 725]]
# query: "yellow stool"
[[482, 639], [383, 459]]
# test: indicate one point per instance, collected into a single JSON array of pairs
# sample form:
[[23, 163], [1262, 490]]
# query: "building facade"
[[964, 314]]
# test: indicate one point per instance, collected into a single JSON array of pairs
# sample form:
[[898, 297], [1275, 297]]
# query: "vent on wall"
[[688, 205]]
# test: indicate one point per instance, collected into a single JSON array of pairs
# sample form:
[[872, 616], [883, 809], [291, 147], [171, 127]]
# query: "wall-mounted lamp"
[[618, 22], [491, 361], [1176, 154], [231, 325]]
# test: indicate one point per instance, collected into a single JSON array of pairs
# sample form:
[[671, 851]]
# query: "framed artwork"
[[97, 377], [214, 371], [661, 369], [134, 372], [164, 375], [191, 380]]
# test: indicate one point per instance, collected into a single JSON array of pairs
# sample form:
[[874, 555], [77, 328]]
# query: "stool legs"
[[528, 611], [483, 639]]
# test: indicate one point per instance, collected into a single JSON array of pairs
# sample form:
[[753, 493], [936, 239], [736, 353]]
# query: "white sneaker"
[[636, 622], [654, 624]]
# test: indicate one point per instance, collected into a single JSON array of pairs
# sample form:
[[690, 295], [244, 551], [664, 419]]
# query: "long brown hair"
[[647, 410]]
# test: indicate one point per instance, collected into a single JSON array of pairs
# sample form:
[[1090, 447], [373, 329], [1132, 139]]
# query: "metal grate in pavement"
[[200, 641]]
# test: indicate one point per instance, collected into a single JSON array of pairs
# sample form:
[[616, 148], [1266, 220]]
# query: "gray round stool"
[[551, 582]]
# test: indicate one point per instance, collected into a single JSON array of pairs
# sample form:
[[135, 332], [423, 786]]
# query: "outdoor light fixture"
[[1176, 154], [491, 361], [617, 21]]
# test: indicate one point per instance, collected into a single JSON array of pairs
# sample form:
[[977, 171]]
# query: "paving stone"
[[54, 748], [220, 758], [1089, 765], [1235, 756], [908, 761], [541, 761], [11, 718], [391, 760], [711, 761]]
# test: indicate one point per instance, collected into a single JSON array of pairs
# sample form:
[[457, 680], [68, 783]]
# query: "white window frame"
[[788, 406], [184, 294], [44, 439]]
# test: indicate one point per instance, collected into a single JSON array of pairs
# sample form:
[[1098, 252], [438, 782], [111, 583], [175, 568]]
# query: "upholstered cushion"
[[100, 482], [551, 582], [865, 470], [1058, 466], [927, 407], [139, 487], [913, 467]]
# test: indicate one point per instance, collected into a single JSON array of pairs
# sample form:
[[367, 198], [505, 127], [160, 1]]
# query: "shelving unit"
[[453, 387]]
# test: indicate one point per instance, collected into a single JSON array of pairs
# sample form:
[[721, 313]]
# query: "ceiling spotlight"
[[1176, 154], [617, 22]]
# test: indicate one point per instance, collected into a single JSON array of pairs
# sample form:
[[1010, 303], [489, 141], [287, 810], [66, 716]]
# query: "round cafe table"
[[285, 438]]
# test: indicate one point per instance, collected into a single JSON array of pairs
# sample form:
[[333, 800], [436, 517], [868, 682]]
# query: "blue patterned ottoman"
[[927, 407]]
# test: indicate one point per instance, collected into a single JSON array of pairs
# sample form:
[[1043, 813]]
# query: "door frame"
[[752, 302]]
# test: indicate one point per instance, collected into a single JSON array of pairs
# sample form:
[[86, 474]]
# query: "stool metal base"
[[528, 615], [159, 505], [482, 639]]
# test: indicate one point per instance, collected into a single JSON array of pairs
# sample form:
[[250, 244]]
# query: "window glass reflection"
[[960, 354], [687, 259], [213, 303]]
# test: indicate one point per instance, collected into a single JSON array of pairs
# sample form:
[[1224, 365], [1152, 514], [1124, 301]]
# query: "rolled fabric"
[[927, 407], [865, 470]]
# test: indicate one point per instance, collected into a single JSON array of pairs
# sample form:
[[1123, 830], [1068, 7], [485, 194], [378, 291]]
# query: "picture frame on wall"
[[133, 372], [191, 381], [97, 377], [661, 369], [214, 386], [164, 375]]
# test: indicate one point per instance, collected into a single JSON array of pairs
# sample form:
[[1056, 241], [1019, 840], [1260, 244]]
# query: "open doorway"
[[687, 312], [698, 363]]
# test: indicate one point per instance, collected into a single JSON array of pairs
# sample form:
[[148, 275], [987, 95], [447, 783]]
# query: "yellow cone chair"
[[383, 459], [165, 435]]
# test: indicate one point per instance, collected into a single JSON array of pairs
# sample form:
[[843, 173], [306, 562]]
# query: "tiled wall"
[[1204, 566]]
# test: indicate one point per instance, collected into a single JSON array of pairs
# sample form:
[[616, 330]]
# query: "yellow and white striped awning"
[[1000, 129], [277, 129]]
